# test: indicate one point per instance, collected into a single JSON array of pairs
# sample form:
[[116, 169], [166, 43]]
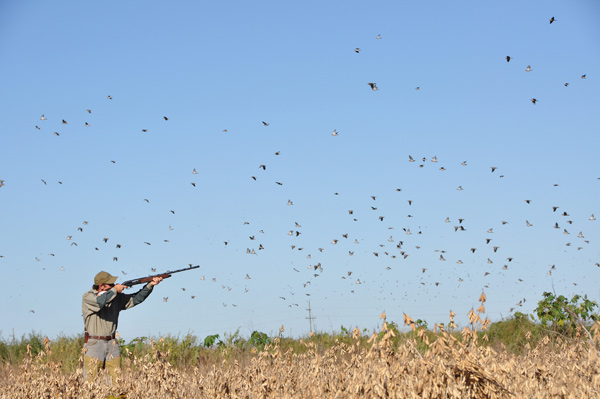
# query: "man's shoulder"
[[90, 293]]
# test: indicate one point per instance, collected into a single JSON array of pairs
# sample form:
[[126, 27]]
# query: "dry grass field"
[[446, 369], [388, 364]]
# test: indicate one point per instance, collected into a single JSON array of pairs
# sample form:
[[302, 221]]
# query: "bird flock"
[[400, 239]]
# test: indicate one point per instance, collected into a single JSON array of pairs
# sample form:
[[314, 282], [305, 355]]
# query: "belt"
[[102, 338]]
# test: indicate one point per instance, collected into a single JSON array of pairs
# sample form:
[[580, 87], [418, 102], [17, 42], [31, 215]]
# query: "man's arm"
[[132, 300]]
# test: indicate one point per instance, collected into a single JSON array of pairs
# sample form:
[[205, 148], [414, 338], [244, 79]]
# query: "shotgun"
[[143, 280]]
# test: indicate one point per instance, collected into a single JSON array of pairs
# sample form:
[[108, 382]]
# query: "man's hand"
[[155, 281], [120, 287]]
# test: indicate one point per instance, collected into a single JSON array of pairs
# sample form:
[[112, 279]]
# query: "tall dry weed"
[[426, 365]]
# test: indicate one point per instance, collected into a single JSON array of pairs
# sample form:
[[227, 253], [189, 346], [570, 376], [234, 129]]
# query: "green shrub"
[[514, 333], [563, 315], [211, 339], [259, 339]]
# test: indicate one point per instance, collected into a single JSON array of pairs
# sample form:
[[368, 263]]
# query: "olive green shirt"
[[101, 312]]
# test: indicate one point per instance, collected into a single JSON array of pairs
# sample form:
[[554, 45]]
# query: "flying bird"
[[373, 86]]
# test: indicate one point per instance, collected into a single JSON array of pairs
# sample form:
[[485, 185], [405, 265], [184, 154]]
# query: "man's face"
[[105, 287]]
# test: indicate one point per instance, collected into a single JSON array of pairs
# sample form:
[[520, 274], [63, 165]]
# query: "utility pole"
[[310, 317]]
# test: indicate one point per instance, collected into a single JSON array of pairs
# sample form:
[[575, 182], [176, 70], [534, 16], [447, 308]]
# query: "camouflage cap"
[[104, 278]]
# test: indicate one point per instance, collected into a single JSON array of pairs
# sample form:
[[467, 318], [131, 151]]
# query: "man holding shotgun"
[[101, 306]]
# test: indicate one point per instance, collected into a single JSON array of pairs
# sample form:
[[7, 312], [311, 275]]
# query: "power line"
[[310, 317]]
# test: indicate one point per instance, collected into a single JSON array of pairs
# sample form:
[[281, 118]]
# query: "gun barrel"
[[147, 279], [183, 270]]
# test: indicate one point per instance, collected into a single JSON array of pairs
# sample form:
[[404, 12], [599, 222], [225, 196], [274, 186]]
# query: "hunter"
[[101, 306]]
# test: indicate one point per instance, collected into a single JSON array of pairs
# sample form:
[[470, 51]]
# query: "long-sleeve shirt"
[[101, 312]]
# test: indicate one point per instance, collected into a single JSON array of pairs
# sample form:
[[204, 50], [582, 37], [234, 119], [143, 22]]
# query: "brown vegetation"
[[389, 364], [447, 367]]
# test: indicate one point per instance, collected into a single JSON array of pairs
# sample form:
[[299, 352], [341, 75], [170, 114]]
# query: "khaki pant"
[[101, 355]]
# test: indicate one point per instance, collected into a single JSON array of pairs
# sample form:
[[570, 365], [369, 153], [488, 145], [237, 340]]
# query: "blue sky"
[[217, 71]]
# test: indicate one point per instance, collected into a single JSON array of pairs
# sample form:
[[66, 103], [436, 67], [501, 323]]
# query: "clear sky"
[[192, 87]]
